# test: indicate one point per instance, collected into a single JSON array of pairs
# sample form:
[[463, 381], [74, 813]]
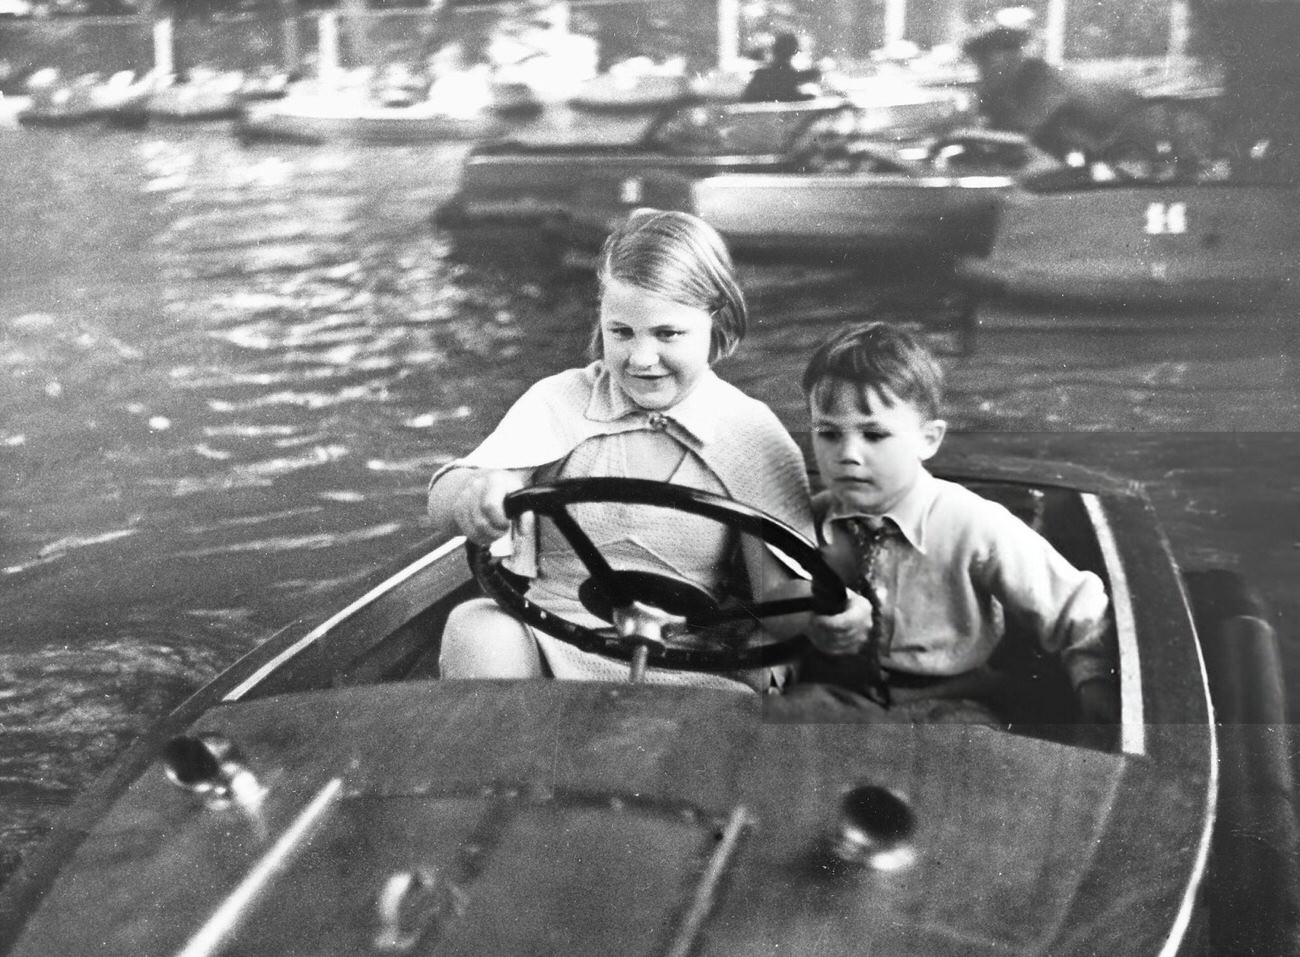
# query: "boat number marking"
[[629, 190], [1170, 218]]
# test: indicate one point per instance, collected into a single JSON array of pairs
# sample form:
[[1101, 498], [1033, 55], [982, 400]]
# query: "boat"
[[1197, 241], [836, 200], [536, 175], [11, 106], [906, 111], [264, 84], [120, 100], [726, 84], [321, 118], [202, 95], [1170, 216], [630, 91], [535, 62], [330, 794], [394, 108]]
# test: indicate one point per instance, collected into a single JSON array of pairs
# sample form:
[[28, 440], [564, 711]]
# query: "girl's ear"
[[932, 433]]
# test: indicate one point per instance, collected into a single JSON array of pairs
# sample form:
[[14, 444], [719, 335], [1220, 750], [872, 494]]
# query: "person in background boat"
[[942, 565], [1073, 120], [780, 80], [649, 406]]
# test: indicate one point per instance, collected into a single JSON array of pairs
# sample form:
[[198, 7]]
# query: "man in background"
[[780, 79], [1075, 121]]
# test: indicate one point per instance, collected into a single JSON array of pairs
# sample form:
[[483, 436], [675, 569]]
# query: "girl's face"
[[870, 459], [655, 349]]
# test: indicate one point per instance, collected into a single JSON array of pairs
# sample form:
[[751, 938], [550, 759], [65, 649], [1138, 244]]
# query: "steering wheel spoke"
[[615, 594], [601, 572]]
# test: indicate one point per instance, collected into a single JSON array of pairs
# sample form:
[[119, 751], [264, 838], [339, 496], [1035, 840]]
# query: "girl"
[[649, 406]]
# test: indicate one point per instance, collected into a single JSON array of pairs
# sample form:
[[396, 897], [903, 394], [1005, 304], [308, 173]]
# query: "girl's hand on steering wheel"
[[479, 510]]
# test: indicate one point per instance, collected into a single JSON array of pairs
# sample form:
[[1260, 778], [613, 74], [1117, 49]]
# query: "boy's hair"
[[678, 257], [876, 357]]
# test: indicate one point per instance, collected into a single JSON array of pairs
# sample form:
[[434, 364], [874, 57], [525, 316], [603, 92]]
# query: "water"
[[227, 373]]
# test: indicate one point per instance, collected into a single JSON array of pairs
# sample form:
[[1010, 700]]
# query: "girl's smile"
[[655, 349]]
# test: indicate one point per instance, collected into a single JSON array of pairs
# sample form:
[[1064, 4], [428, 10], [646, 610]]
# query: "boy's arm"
[[841, 634], [1066, 607]]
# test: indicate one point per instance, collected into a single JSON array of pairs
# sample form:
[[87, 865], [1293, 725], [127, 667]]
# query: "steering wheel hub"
[[652, 610]]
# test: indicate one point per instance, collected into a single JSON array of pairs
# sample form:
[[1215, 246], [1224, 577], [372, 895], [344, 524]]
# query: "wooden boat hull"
[[538, 174], [381, 808], [791, 214], [77, 106], [615, 826], [1206, 243], [194, 103]]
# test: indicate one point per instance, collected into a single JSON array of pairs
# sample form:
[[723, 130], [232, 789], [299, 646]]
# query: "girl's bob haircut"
[[678, 257]]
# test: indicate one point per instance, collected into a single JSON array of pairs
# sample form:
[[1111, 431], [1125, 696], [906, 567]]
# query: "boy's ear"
[[932, 433]]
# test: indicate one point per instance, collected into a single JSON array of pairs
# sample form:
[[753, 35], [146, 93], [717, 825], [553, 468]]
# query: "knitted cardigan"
[[737, 437]]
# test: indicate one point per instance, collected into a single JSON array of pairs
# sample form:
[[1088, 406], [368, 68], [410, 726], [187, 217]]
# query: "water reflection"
[[229, 372]]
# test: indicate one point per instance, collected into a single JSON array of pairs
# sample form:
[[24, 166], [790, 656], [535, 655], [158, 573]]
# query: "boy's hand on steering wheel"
[[479, 511], [845, 633]]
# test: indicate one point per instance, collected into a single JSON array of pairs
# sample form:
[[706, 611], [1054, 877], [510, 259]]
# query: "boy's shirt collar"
[[693, 415], [908, 514]]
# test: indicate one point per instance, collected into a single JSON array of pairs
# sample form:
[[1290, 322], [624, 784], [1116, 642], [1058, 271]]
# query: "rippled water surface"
[[226, 373]]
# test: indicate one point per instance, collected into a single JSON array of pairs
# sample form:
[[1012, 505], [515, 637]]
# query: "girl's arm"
[[471, 502]]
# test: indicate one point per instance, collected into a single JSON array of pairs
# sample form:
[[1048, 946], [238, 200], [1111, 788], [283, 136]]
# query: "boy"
[[943, 562]]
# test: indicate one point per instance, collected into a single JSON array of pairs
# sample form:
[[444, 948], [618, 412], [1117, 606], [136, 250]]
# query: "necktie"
[[868, 539]]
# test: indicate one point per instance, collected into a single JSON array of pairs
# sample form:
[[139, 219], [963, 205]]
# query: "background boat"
[[200, 95], [121, 99], [319, 118], [1223, 243], [395, 106], [1181, 210], [630, 88]]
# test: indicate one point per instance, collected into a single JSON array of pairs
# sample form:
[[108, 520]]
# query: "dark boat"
[[838, 201], [1188, 218], [1211, 242], [330, 795], [534, 176]]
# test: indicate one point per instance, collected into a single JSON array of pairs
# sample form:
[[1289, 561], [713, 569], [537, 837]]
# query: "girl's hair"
[[681, 258], [876, 357]]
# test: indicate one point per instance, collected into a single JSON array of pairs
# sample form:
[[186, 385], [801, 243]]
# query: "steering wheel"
[[642, 602]]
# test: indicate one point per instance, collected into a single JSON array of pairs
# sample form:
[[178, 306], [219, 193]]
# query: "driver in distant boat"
[[779, 80], [1075, 120]]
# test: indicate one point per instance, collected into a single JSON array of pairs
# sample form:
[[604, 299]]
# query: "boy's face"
[[869, 458]]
